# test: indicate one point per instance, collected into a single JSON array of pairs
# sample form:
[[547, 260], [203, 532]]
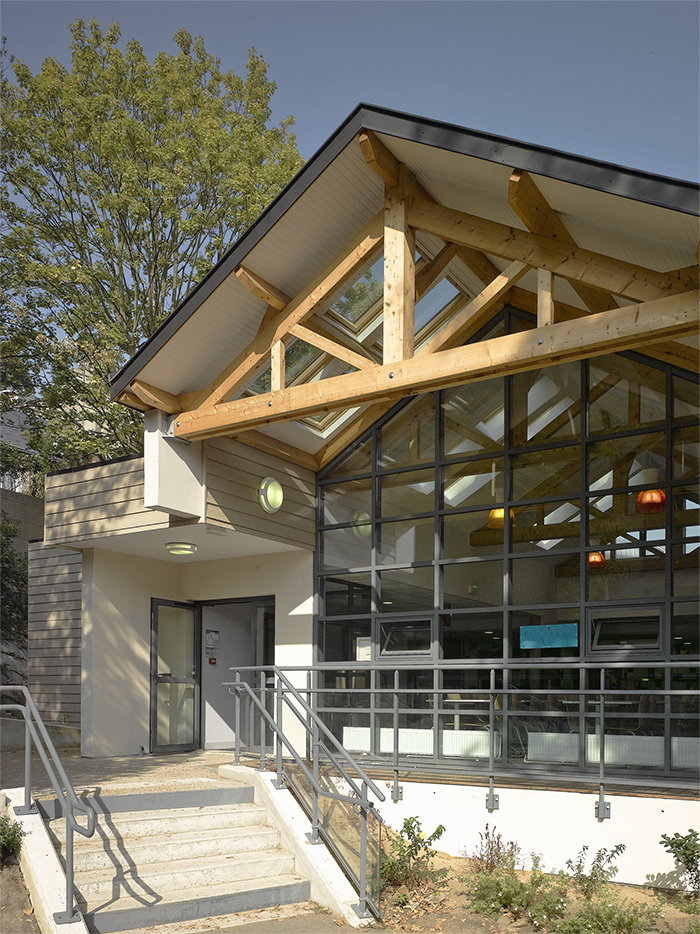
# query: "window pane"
[[686, 512], [547, 473], [686, 398], [360, 297], [405, 493], [346, 641], [406, 542], [409, 437], [433, 303], [357, 461], [402, 638], [626, 572], [346, 548], [632, 627], [546, 404], [685, 679], [686, 453], [685, 629], [686, 569], [554, 631], [473, 418], [634, 461], [614, 519], [347, 502], [347, 594], [550, 579], [625, 394], [472, 635], [547, 526], [476, 583], [403, 591], [474, 483], [467, 535]]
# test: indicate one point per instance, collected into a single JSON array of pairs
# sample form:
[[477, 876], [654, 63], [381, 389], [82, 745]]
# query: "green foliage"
[[10, 837], [124, 181], [13, 583], [410, 860], [685, 848], [540, 898], [493, 853], [359, 298], [609, 915], [591, 882]]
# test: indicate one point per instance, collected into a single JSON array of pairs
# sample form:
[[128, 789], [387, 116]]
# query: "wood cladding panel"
[[55, 606]]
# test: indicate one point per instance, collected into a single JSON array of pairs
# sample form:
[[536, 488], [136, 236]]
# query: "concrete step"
[[177, 820], [140, 911], [107, 849], [105, 885]]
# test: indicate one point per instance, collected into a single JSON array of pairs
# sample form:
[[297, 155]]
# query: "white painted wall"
[[555, 824], [116, 654]]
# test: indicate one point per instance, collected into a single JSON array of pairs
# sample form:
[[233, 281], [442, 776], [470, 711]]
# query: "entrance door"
[[235, 634], [175, 676]]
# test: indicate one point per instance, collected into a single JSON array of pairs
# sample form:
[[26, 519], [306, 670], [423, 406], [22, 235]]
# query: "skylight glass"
[[359, 298]]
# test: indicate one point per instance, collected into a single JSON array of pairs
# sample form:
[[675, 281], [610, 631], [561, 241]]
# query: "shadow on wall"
[[668, 880]]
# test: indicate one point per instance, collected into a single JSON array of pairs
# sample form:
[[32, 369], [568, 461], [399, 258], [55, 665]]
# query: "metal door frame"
[[196, 681]]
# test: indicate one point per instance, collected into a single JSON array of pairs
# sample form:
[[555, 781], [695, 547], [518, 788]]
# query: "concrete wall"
[[27, 512], [529, 817], [117, 591]]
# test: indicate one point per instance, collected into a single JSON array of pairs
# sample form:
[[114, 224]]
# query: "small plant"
[[492, 852], [609, 915], [685, 848], [591, 883], [402, 899], [410, 860], [10, 837], [540, 898]]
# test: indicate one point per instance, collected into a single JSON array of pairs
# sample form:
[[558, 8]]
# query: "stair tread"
[[127, 901], [97, 841]]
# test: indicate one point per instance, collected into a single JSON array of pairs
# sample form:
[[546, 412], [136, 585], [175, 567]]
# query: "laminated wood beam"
[[365, 245], [571, 262], [399, 274], [156, 398], [607, 332], [259, 287]]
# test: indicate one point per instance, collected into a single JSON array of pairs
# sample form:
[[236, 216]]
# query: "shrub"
[[609, 915], [10, 837], [410, 860], [591, 883], [540, 898], [493, 853], [686, 851]]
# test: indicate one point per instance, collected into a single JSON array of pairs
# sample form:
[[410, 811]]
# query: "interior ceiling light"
[[496, 518], [361, 524], [650, 501], [596, 559], [271, 494], [181, 548]]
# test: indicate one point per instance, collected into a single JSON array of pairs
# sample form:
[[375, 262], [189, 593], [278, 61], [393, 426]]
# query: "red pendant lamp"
[[596, 559], [651, 501]]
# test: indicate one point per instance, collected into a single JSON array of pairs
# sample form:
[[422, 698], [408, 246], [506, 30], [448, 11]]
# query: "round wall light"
[[271, 494], [362, 524], [181, 548]]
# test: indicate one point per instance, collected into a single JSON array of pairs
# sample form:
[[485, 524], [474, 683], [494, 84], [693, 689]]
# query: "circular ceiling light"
[[271, 494], [181, 548]]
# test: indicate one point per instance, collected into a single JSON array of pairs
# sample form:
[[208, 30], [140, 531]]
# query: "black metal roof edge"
[[658, 190], [110, 460]]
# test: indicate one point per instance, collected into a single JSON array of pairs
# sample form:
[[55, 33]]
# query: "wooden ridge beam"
[[156, 398], [262, 289], [339, 271], [633, 282], [321, 342], [607, 332]]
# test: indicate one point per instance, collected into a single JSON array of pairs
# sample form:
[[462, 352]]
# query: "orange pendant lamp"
[[496, 519], [596, 559], [650, 501]]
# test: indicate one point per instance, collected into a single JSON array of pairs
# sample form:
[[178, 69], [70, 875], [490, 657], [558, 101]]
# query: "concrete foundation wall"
[[554, 824]]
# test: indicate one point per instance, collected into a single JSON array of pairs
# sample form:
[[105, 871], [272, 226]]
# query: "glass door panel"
[[174, 677]]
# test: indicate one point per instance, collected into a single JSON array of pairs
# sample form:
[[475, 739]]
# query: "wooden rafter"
[[607, 332], [534, 211], [365, 245], [329, 346], [350, 432], [262, 289], [155, 398], [635, 283], [432, 270], [277, 448]]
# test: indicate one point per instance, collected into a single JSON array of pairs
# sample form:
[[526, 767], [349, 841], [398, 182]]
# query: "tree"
[[13, 583], [124, 181]]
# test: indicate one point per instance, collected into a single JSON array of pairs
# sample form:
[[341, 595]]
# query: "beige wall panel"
[[55, 589], [117, 591]]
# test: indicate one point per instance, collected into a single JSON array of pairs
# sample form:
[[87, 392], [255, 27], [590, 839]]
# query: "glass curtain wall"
[[544, 525]]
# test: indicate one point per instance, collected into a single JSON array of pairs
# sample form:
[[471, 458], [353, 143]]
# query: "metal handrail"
[[314, 727], [35, 730]]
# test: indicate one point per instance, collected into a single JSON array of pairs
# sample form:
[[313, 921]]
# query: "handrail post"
[[237, 720], [492, 798], [602, 807], [396, 791], [28, 807], [279, 783], [71, 913], [314, 823], [263, 738], [362, 907]]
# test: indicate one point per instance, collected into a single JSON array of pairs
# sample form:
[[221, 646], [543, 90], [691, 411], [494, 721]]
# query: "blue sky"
[[610, 79]]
